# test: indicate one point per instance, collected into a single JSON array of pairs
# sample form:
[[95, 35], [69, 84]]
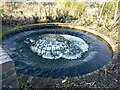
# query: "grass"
[[15, 15]]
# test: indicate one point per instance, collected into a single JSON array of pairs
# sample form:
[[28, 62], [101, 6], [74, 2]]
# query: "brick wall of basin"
[[7, 72]]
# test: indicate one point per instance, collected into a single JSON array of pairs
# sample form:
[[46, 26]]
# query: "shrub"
[[108, 9], [74, 8]]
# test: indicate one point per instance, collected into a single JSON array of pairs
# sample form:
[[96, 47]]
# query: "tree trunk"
[[116, 12], [102, 9]]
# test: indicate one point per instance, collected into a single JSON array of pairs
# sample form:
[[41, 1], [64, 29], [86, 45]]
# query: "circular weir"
[[56, 53]]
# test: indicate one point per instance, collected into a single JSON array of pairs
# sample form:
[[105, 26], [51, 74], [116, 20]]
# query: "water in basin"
[[56, 53]]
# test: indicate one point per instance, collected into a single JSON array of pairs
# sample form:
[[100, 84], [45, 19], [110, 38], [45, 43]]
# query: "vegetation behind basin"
[[103, 18]]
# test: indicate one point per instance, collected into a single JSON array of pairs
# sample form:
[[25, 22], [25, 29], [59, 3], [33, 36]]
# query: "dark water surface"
[[27, 62]]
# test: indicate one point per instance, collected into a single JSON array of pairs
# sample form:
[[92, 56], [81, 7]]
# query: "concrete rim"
[[105, 39]]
